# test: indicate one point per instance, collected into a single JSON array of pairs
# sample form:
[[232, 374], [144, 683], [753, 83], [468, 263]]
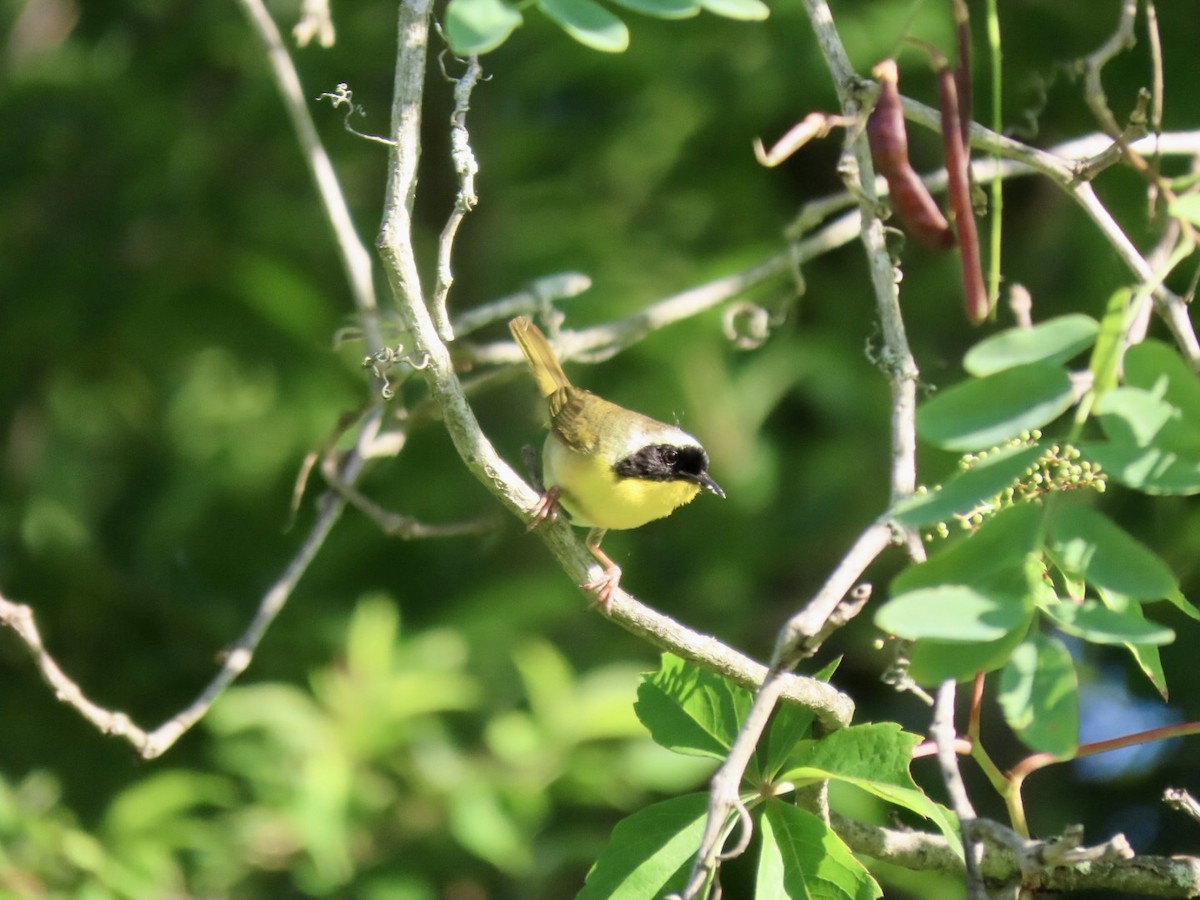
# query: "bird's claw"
[[603, 589], [546, 509]]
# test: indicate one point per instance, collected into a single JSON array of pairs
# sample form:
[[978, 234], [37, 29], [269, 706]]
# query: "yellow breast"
[[593, 495]]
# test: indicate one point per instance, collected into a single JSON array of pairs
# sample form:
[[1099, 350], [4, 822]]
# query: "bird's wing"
[[567, 419]]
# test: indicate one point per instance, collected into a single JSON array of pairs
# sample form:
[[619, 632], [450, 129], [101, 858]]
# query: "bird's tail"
[[547, 371]]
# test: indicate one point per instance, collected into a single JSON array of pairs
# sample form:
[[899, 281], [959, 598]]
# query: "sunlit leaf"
[[749, 10], [1039, 695], [1089, 545], [801, 857], [984, 412], [1186, 207], [1158, 368], [932, 662], [1099, 625], [475, 27], [1002, 542], [873, 757], [691, 710], [1053, 341], [1145, 655], [589, 23], [662, 9], [956, 612], [649, 853]]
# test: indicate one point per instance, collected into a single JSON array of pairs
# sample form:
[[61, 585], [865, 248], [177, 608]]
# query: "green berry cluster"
[[1060, 468]]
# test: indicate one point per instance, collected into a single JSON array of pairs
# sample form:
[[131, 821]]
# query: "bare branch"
[[1149, 876], [942, 732], [236, 658]]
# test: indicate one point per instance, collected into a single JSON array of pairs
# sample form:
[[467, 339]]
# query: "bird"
[[605, 466]]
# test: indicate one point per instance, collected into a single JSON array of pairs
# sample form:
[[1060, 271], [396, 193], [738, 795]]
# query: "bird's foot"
[[603, 588], [546, 509]]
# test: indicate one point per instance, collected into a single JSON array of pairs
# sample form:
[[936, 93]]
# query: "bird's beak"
[[705, 480]]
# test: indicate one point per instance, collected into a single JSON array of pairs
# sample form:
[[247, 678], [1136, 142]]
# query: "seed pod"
[[958, 177], [888, 139]]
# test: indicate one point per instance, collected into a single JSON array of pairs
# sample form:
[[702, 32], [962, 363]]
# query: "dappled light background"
[[444, 718]]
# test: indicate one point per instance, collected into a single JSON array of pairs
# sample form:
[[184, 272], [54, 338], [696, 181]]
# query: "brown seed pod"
[[887, 137], [958, 177]]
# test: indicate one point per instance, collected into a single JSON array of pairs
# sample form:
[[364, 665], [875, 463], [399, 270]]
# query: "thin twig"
[[466, 168], [943, 735], [236, 658]]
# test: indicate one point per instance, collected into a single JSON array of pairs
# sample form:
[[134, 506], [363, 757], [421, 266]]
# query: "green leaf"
[[1134, 416], [691, 710], [1088, 545], [1158, 368], [964, 492], [1039, 694], [1001, 542], [650, 852], [1099, 625], [932, 662], [1053, 341], [746, 10], [957, 612], [874, 758], [662, 9], [1153, 470], [589, 23], [984, 412], [474, 27], [789, 726], [1186, 207], [802, 858], [1106, 354], [1145, 655]]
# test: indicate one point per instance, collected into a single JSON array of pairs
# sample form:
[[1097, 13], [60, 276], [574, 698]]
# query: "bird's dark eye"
[[670, 455]]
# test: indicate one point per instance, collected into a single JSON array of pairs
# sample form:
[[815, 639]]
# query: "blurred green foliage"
[[169, 293]]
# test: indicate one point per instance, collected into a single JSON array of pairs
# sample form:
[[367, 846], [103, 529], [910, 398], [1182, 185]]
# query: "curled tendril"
[[747, 325], [382, 361]]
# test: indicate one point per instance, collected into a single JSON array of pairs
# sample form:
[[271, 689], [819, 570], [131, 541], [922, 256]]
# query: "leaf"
[[475, 27], [1001, 543], [789, 725], [662, 9], [1039, 694], [691, 710], [1153, 470], [1186, 207], [932, 662], [1145, 655], [589, 23], [956, 612], [1087, 544], [1099, 625], [649, 853], [984, 412], [801, 857], [1158, 368], [1053, 341], [966, 491], [1133, 415], [746, 10], [874, 758]]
